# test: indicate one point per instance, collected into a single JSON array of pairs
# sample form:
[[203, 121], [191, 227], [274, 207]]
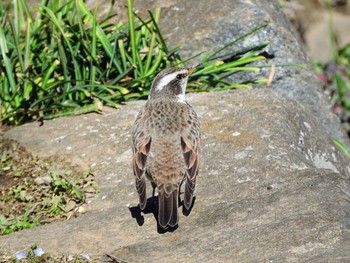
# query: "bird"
[[166, 145]]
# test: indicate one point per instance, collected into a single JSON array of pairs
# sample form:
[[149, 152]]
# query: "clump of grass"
[[53, 196], [335, 75], [35, 254], [34, 191], [18, 223], [63, 61]]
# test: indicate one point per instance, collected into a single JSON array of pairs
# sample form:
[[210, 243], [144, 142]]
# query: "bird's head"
[[170, 84]]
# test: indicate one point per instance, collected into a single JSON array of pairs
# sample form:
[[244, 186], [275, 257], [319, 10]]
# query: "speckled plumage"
[[166, 143]]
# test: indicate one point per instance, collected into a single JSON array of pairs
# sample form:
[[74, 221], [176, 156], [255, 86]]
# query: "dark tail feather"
[[141, 190], [168, 208], [189, 190]]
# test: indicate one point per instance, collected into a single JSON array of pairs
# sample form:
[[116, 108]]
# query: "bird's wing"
[[141, 148], [190, 147]]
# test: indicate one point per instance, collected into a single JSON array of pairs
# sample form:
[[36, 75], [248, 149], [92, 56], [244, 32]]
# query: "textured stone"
[[209, 25], [272, 187]]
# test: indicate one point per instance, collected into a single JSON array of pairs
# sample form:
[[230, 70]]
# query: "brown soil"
[[27, 182], [45, 189]]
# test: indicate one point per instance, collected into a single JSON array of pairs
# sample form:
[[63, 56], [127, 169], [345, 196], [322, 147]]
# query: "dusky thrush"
[[166, 145]]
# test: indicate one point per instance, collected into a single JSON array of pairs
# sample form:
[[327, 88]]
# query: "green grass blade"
[[100, 34], [163, 45], [93, 48], [342, 147], [122, 53], [7, 62], [151, 47], [131, 23], [211, 56]]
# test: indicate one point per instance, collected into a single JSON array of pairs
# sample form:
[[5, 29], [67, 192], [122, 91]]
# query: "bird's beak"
[[193, 68]]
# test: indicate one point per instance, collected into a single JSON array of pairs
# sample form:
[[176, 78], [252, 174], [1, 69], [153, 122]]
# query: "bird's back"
[[166, 143]]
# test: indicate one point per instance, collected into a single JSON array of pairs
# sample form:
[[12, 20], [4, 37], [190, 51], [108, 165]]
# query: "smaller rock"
[[24, 196], [81, 210], [43, 180], [70, 206]]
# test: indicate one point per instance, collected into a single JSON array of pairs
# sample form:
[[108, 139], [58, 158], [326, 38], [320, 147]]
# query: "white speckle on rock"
[[307, 248], [321, 161], [60, 138], [301, 166], [69, 148], [236, 133], [244, 180], [334, 157], [240, 155], [265, 134], [249, 148], [307, 125], [241, 170], [104, 197]]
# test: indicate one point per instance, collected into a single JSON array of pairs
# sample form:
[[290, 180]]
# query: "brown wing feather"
[[139, 160], [191, 156]]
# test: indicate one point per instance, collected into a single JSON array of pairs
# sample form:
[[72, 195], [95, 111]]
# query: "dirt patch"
[[37, 191]]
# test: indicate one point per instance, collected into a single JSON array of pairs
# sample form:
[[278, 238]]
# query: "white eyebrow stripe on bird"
[[165, 80]]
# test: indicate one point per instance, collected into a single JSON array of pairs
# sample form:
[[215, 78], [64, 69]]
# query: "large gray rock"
[[272, 187], [209, 25]]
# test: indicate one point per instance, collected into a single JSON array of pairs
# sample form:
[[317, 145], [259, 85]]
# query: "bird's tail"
[[168, 196]]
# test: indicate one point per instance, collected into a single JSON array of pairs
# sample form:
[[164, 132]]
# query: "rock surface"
[[209, 25], [272, 185]]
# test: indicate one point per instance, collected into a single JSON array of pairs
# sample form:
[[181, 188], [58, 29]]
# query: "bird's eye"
[[179, 76]]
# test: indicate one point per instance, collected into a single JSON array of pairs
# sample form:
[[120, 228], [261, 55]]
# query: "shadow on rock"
[[152, 207]]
